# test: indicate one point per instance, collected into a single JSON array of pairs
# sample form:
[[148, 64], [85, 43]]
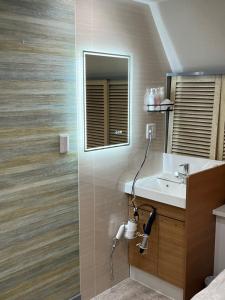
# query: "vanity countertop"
[[159, 189], [163, 185], [220, 211]]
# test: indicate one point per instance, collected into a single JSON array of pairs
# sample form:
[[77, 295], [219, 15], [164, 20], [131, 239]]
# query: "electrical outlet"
[[152, 127]]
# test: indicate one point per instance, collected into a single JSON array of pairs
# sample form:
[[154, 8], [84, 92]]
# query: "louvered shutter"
[[194, 121], [96, 118], [118, 112], [221, 137], [223, 145]]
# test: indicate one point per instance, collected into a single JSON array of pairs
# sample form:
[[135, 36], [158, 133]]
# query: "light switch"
[[64, 143]]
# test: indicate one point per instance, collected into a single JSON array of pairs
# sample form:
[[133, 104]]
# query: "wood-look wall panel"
[[39, 219], [42, 102], [37, 174], [15, 25], [53, 10], [32, 121], [44, 87]]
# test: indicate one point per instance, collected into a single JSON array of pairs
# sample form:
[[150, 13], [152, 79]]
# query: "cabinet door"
[[147, 261], [171, 251]]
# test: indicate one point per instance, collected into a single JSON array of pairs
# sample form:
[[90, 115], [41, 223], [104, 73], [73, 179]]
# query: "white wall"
[[192, 33], [219, 263], [123, 27]]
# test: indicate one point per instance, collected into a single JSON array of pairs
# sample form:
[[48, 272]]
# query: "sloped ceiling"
[[192, 33]]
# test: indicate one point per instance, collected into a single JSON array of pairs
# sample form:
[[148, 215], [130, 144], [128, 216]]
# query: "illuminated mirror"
[[106, 86]]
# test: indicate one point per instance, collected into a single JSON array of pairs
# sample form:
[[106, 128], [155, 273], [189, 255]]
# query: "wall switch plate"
[[152, 127], [64, 143]]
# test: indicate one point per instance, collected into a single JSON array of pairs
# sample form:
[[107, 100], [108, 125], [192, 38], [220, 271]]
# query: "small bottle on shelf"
[[157, 97], [162, 93], [151, 99], [147, 92]]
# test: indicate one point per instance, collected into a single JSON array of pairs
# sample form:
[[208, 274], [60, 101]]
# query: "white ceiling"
[[192, 33]]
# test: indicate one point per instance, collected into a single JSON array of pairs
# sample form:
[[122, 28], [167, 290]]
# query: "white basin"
[[161, 190], [161, 184]]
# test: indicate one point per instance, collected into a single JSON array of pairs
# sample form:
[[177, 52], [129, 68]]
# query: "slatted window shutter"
[[221, 137], [96, 118], [223, 144], [118, 112], [194, 122]]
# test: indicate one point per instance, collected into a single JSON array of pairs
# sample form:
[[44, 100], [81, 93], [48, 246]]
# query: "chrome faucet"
[[183, 176], [186, 168]]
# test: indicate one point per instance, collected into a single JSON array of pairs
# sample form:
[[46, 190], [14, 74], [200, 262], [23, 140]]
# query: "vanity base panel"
[[155, 283]]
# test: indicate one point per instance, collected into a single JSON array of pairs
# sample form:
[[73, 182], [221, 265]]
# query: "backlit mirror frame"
[[85, 53]]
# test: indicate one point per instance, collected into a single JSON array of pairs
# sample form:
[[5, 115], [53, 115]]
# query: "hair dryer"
[[128, 231], [147, 230]]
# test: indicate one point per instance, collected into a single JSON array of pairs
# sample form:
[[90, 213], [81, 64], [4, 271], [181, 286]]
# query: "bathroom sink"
[[162, 188], [164, 184]]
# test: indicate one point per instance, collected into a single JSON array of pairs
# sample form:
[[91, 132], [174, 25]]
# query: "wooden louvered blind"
[[96, 118], [221, 137], [223, 144], [106, 112], [194, 121], [118, 112]]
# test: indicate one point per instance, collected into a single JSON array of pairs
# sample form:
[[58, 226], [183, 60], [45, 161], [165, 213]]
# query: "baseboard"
[[156, 284], [77, 297]]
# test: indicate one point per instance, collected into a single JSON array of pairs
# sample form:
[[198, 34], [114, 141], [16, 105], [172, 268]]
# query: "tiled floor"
[[130, 290]]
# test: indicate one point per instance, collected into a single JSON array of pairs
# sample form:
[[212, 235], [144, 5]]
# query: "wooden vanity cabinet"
[[166, 252], [182, 241]]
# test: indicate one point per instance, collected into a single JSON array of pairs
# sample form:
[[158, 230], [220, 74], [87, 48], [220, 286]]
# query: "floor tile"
[[130, 290]]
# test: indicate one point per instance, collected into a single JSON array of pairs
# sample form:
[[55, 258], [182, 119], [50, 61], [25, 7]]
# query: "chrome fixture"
[[186, 168], [183, 175]]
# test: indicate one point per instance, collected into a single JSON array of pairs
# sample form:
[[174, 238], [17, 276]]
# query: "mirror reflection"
[[106, 100]]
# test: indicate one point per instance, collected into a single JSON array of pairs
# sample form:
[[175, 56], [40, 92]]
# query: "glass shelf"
[[160, 108]]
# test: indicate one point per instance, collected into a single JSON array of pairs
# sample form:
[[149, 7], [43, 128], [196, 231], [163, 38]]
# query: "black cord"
[[138, 172]]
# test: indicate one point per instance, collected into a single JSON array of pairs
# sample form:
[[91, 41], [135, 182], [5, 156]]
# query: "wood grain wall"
[[39, 247]]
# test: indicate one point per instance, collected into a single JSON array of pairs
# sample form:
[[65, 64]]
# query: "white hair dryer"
[[128, 231]]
